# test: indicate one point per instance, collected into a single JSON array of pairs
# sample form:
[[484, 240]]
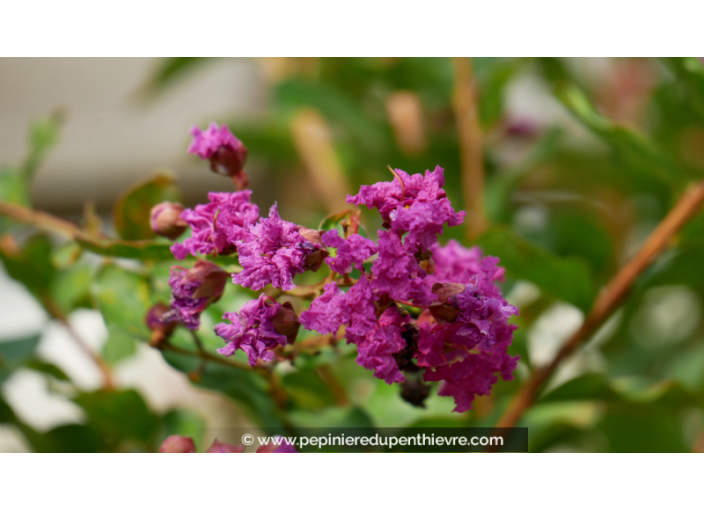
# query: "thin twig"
[[609, 299], [470, 139], [89, 240], [59, 316]]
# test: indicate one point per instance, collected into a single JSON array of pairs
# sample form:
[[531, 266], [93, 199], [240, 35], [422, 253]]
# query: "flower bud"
[[212, 279], [178, 444], [193, 290], [227, 154], [165, 220], [218, 447], [286, 322], [158, 322], [313, 247], [445, 291]]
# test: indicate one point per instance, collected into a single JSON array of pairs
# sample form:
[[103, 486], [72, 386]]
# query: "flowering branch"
[[609, 299], [470, 139], [91, 241]]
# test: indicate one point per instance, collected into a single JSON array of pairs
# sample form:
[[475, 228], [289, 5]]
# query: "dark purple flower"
[[217, 225], [252, 330], [192, 290], [398, 274], [376, 351], [273, 253], [351, 252]]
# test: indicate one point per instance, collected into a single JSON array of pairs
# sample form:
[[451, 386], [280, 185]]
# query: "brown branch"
[[470, 139], [609, 299], [88, 239]]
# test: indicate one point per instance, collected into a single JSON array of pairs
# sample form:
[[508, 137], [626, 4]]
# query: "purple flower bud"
[[165, 220], [178, 444], [192, 290], [218, 447], [227, 154], [158, 322], [286, 322]]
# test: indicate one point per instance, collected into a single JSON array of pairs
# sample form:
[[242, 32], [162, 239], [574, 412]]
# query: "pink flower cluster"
[[415, 306]]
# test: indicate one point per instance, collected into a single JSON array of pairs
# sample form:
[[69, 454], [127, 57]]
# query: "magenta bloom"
[[227, 154], [455, 263], [416, 205], [397, 273], [192, 290], [252, 330], [273, 253], [351, 252], [376, 351], [217, 225]]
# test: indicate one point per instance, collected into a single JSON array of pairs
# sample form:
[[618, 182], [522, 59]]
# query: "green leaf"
[[14, 189], [242, 385], [65, 439], [131, 212], [123, 298], [46, 368], [183, 422], [308, 390], [70, 287], [171, 70], [690, 74], [31, 265], [119, 415], [43, 136], [15, 352], [140, 250], [565, 278]]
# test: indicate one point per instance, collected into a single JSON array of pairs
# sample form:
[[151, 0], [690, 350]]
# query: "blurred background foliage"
[[573, 185]]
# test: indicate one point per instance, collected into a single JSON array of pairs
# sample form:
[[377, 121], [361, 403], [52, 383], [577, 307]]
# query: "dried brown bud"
[[314, 236], [160, 326], [443, 313], [445, 291], [286, 322], [212, 280], [414, 391], [165, 220]]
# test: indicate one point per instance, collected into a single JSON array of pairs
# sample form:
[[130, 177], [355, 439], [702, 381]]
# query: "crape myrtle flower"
[[165, 219], [351, 252], [217, 225], [227, 154], [177, 444], [412, 204], [273, 253], [377, 339], [258, 328], [157, 320], [192, 290], [398, 274]]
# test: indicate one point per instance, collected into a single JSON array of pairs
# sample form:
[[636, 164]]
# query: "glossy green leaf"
[[131, 212], [565, 278], [123, 298], [15, 352]]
